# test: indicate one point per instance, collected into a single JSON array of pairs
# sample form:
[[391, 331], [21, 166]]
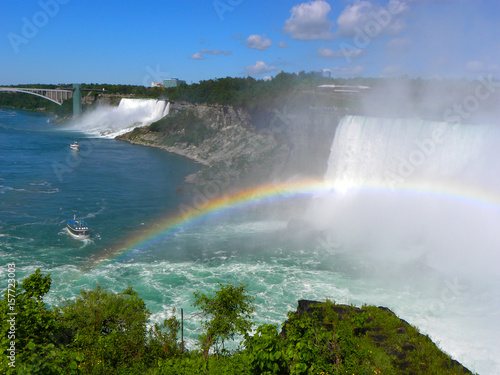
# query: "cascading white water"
[[417, 206], [109, 122], [395, 152], [413, 179]]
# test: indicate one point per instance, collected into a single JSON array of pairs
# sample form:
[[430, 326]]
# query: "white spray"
[[417, 208], [109, 122]]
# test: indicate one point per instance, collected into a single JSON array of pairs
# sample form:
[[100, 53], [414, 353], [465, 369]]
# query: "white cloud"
[[204, 51], [400, 6], [372, 19], [267, 78], [258, 42], [327, 53], [197, 56], [309, 21], [283, 44], [259, 68]]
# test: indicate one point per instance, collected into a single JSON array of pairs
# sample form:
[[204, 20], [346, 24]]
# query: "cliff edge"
[[242, 146], [366, 340]]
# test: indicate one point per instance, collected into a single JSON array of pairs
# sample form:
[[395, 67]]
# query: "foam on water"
[[278, 273], [366, 242]]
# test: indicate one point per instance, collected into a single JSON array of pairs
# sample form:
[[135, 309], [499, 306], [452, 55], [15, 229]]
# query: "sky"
[[138, 42]]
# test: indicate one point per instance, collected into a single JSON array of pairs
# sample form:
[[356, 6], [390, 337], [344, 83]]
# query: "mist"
[[415, 210], [111, 121], [428, 186]]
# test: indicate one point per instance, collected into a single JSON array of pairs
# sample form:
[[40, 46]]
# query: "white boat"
[[75, 146], [78, 228]]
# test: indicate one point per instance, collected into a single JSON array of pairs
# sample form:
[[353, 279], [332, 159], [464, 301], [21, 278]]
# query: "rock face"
[[248, 147], [374, 334]]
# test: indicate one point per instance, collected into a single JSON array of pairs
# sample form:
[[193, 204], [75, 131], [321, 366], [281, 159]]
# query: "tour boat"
[[78, 228], [75, 146]]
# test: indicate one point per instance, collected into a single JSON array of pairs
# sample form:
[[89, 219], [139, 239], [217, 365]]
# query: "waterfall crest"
[[108, 122], [394, 152]]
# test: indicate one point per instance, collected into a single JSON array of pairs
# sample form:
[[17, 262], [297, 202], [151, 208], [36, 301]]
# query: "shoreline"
[[171, 149], [39, 110]]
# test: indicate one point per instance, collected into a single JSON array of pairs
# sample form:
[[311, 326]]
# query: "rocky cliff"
[[247, 147]]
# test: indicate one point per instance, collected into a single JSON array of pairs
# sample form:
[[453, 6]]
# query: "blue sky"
[[136, 42]]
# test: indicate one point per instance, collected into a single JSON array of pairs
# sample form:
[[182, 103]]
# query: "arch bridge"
[[56, 95]]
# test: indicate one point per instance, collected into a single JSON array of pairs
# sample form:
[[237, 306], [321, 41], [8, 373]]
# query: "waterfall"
[[409, 187], [369, 151], [109, 122], [166, 111], [416, 205]]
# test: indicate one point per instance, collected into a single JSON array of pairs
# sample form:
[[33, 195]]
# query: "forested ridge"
[[430, 98]]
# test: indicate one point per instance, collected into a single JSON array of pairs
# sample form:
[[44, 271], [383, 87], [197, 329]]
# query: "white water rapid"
[[108, 122], [417, 205]]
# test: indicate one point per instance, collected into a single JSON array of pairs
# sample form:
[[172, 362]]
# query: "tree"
[[108, 328], [226, 313], [162, 341], [98, 332], [29, 328]]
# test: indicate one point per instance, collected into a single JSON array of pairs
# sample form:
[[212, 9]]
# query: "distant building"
[[156, 84], [172, 82]]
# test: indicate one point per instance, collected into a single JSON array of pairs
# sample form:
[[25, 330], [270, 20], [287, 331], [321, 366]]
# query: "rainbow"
[[190, 214], [268, 193]]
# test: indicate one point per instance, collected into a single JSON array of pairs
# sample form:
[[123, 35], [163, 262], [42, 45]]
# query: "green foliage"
[[285, 89], [246, 92], [106, 333], [108, 328], [370, 340], [309, 347], [184, 127], [26, 101], [267, 351], [36, 286], [194, 363], [226, 313], [126, 90], [32, 102], [162, 341], [35, 329], [66, 109]]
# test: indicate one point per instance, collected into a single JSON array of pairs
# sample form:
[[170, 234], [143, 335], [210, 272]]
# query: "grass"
[[372, 340]]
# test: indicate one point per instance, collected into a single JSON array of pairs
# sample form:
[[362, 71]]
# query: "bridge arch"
[[54, 95]]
